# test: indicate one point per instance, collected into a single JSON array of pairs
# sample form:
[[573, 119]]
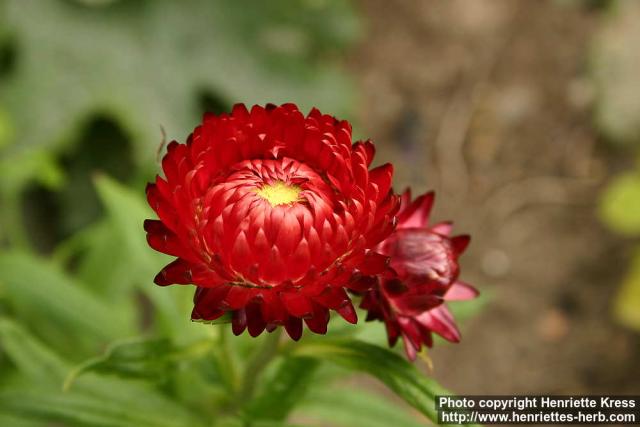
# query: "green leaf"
[[32, 358], [620, 204], [44, 296], [87, 408], [627, 301], [137, 357], [126, 210], [286, 388], [14, 421], [349, 407], [6, 128], [141, 357], [394, 371], [94, 401]]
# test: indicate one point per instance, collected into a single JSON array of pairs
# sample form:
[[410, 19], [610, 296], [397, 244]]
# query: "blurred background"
[[524, 117]]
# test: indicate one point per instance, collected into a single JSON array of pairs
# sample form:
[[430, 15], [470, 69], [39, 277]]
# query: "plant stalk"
[[258, 362]]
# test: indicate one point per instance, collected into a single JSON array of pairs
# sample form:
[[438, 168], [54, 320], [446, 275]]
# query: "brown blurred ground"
[[490, 104]]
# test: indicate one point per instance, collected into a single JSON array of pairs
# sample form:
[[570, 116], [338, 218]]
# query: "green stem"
[[226, 361], [258, 362]]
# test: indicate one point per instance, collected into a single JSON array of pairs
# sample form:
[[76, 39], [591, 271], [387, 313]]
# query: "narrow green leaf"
[[15, 421], [94, 401], [137, 358], [85, 409], [32, 358], [44, 296], [283, 390], [394, 371], [127, 211], [349, 407], [141, 357]]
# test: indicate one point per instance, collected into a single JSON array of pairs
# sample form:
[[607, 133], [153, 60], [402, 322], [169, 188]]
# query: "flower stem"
[[258, 362], [226, 361]]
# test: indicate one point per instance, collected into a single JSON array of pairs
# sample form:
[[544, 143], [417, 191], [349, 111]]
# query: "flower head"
[[423, 273], [270, 214]]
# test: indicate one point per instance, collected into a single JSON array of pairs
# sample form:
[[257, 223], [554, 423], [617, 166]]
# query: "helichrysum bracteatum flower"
[[273, 216], [423, 273]]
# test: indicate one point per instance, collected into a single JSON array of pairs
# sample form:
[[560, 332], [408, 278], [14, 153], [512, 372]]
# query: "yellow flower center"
[[279, 193]]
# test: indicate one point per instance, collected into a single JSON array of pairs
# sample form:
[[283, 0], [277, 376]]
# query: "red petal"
[[405, 199], [409, 348], [362, 283], [440, 321], [238, 321], [381, 176], [255, 322], [333, 298], [238, 297], [241, 254], [293, 326], [461, 291], [297, 304], [416, 215], [460, 243], [443, 228], [318, 322], [206, 314], [374, 263], [348, 313], [177, 272], [273, 310]]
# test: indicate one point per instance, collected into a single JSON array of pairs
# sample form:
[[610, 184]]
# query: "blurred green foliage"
[[615, 61], [87, 88]]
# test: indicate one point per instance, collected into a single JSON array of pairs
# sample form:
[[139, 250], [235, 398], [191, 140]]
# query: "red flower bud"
[[423, 273]]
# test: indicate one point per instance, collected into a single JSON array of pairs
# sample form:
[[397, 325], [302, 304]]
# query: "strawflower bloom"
[[423, 273], [272, 216]]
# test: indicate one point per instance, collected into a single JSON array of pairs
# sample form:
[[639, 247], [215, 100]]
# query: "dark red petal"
[[348, 313], [177, 272], [361, 283], [293, 326], [460, 243], [238, 321], [255, 322], [333, 298], [374, 263], [318, 321], [206, 314]]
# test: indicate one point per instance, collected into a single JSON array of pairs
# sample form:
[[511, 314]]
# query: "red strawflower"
[[423, 273], [270, 214]]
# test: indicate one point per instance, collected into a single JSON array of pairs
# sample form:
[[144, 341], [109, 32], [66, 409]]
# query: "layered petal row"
[[273, 216]]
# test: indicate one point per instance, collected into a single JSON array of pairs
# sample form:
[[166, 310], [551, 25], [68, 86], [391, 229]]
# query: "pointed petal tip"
[[461, 291], [348, 313], [460, 243]]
